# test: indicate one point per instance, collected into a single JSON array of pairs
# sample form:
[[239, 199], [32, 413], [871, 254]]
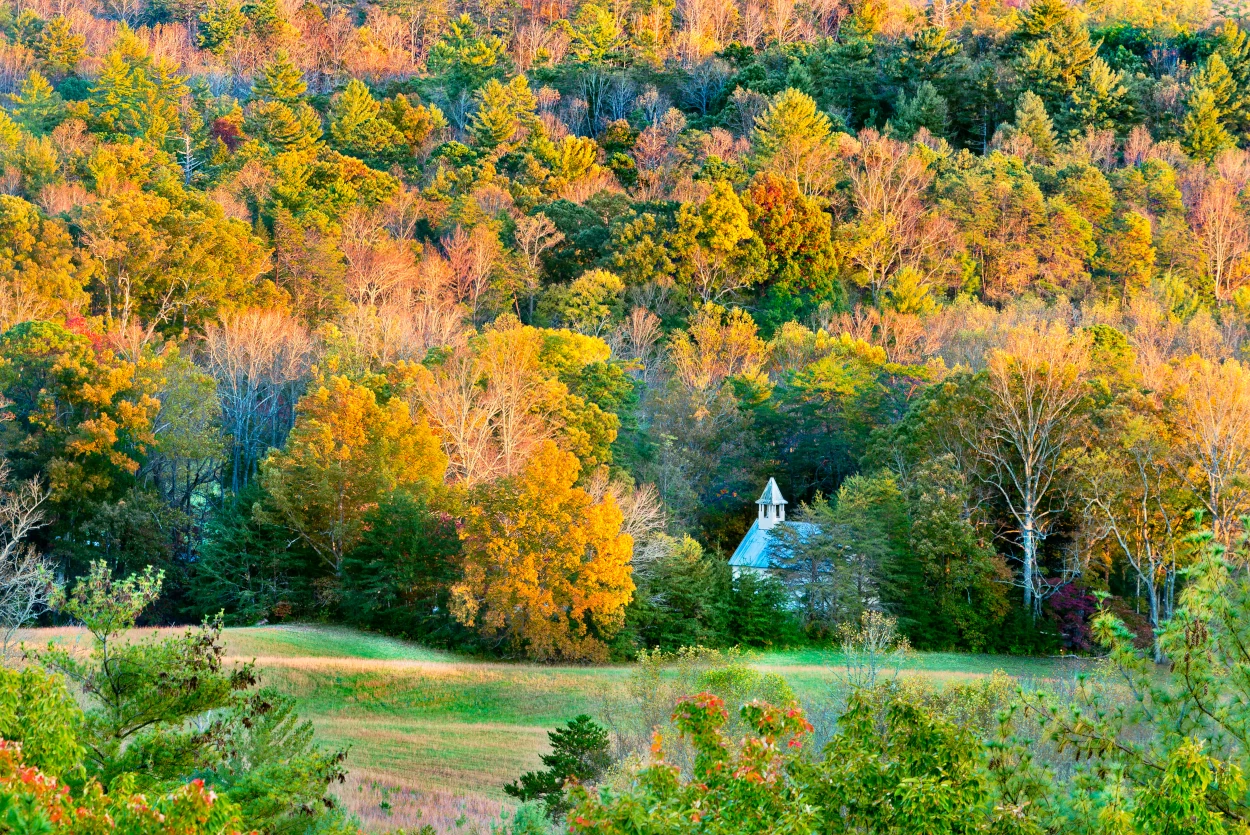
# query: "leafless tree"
[[779, 20], [618, 101], [638, 339], [491, 404], [535, 234], [826, 16], [896, 230], [1211, 428], [516, 394], [1131, 492], [377, 264], [473, 257], [1223, 232], [1233, 165], [748, 106], [704, 83], [1030, 424], [653, 104], [403, 213], [455, 402], [643, 512], [26, 578], [259, 359], [432, 306], [1138, 146]]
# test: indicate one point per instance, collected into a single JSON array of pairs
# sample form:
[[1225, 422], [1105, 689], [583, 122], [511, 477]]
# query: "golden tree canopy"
[[346, 451], [547, 569]]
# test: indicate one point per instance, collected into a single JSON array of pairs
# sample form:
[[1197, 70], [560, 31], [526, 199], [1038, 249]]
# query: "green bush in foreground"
[[165, 718], [1143, 752]]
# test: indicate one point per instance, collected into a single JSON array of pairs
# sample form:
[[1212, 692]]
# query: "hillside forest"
[[483, 324]]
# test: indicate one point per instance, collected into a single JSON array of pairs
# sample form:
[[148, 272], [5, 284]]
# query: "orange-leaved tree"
[[346, 451], [546, 567]]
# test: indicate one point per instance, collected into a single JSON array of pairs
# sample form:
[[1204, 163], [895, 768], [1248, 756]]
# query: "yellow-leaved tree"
[[345, 453], [546, 567]]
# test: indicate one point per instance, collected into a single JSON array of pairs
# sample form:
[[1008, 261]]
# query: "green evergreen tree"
[[931, 55], [594, 33], [1203, 133], [283, 127], [37, 106], [926, 109], [465, 59], [355, 126], [503, 112], [1099, 101], [279, 80], [1053, 50], [134, 95], [1033, 121], [1232, 44], [579, 751], [59, 48], [1215, 76], [682, 599], [219, 25]]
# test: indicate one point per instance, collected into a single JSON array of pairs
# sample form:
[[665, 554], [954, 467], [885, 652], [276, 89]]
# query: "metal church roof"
[[772, 494], [757, 548]]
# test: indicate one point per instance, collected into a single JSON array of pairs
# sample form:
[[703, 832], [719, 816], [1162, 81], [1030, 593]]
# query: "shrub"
[[34, 802], [579, 752]]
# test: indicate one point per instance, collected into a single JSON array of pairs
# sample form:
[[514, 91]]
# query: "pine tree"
[[1215, 76], [283, 127], [926, 109], [37, 106], [931, 55], [1033, 121], [503, 112], [794, 138], [1203, 134], [134, 95], [279, 81], [1098, 102], [1233, 46], [354, 123], [579, 752], [219, 24], [59, 48], [1054, 50]]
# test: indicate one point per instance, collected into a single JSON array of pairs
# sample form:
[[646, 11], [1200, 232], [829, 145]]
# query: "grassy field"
[[432, 737]]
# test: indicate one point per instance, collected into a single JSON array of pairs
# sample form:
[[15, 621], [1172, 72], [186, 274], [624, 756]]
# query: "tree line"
[[484, 325]]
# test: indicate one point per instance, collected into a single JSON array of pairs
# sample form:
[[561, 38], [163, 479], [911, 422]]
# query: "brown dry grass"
[[382, 803]]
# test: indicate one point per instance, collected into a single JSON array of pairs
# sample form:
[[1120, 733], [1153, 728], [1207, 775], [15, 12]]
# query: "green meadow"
[[432, 737]]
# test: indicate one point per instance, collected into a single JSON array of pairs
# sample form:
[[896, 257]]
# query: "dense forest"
[[484, 324]]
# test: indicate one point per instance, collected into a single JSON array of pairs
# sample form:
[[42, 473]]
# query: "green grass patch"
[[306, 641]]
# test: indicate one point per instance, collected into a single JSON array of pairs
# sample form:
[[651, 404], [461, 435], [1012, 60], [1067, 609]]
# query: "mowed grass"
[[432, 737]]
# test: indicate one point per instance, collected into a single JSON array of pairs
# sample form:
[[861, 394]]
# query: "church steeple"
[[772, 506]]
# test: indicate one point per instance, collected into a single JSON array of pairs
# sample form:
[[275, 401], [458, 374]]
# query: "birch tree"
[[26, 578], [259, 359], [1136, 495], [1210, 417], [1034, 390]]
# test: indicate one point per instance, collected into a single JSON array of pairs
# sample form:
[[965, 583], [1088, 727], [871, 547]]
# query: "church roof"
[[757, 548], [771, 494]]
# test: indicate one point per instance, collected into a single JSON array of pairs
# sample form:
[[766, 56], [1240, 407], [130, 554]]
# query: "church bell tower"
[[772, 506]]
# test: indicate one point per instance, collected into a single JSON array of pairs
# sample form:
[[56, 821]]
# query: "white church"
[[758, 550]]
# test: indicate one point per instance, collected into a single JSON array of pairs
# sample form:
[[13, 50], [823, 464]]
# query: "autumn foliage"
[[32, 801], [547, 568]]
